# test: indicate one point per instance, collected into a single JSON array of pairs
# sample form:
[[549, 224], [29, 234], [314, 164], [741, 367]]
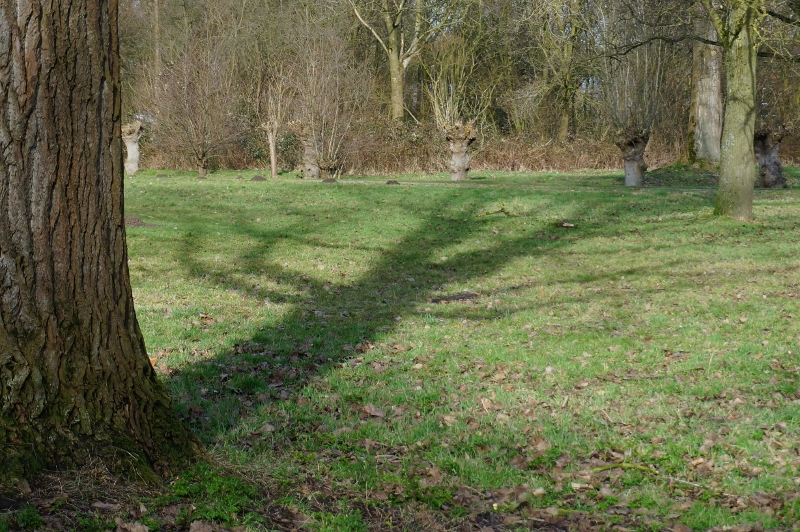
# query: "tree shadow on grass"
[[278, 392]]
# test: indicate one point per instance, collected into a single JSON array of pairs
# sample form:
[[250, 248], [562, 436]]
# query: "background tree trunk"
[[311, 168], [273, 153], [767, 145], [737, 165], [131, 133], [705, 113], [633, 144], [75, 380], [460, 136], [397, 82]]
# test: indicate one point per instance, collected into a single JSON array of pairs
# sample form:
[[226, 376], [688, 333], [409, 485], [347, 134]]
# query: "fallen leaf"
[[122, 526], [449, 420], [373, 410], [200, 526], [106, 507]]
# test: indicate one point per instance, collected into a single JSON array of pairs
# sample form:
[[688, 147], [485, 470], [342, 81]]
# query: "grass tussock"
[[510, 352]]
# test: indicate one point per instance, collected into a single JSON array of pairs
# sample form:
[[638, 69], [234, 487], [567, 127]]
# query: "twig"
[[501, 210]]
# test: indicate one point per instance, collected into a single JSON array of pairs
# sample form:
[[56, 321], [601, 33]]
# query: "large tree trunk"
[[460, 136], [737, 168], [75, 380], [767, 145], [705, 113], [632, 142], [131, 133]]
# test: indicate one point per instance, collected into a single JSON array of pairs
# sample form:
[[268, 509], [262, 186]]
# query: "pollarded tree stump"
[[767, 145], [632, 142], [460, 136], [131, 133]]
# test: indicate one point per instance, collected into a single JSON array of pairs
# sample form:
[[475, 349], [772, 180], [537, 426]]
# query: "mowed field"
[[513, 352]]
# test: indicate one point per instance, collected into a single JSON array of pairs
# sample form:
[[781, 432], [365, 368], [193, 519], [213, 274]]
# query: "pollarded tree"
[[632, 81], [329, 88], [75, 380]]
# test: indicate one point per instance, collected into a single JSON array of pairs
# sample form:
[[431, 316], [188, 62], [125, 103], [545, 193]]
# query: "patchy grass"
[[500, 353]]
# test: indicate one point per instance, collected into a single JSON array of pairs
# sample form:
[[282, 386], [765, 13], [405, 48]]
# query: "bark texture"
[[75, 380], [737, 172], [767, 145], [632, 142], [131, 133], [460, 136], [705, 113]]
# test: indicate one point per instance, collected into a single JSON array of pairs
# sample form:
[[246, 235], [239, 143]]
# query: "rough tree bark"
[[131, 133], [767, 145], [460, 136], [75, 380], [632, 142], [737, 172], [705, 113]]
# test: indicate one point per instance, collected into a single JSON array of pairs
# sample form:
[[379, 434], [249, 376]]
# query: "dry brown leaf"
[[200, 526], [374, 411], [122, 526], [449, 420], [106, 507]]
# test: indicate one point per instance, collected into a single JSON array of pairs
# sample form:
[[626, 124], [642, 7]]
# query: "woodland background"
[[549, 83]]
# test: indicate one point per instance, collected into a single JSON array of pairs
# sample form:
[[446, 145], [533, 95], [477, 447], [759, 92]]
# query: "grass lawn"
[[512, 352]]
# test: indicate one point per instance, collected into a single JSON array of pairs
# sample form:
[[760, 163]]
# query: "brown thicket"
[[545, 81]]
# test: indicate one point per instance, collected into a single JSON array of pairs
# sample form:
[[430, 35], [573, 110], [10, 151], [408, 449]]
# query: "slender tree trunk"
[[563, 126], [737, 165], [273, 153], [397, 78], [75, 379], [156, 41]]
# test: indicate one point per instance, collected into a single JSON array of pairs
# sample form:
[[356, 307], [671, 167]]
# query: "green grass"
[[296, 326]]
